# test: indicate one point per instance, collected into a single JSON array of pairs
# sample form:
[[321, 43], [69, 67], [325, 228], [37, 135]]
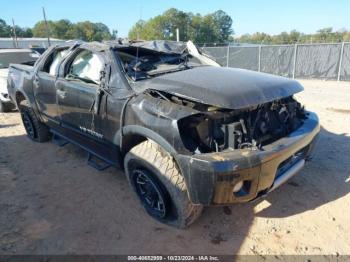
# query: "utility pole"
[[177, 35], [14, 33], [47, 28]]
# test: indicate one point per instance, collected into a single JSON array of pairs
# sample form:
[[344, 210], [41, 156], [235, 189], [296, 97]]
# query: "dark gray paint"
[[223, 87], [150, 117]]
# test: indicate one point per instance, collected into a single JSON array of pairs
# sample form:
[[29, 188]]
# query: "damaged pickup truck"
[[187, 132]]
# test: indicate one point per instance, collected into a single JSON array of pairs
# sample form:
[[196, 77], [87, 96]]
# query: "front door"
[[77, 92]]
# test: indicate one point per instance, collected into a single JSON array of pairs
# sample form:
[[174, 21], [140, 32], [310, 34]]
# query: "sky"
[[269, 16]]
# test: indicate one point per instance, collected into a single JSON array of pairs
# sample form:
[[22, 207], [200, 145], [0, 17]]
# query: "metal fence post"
[[259, 61], [340, 60], [228, 54], [295, 59]]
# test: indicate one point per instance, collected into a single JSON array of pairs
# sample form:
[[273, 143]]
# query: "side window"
[[56, 61], [52, 62], [86, 66]]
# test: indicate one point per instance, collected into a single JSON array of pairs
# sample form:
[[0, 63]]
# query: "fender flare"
[[145, 132], [26, 97], [30, 99], [150, 134]]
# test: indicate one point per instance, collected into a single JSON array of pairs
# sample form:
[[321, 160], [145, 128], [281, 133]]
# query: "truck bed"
[[20, 78]]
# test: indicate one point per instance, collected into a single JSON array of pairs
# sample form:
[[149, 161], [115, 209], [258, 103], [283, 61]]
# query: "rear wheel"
[[159, 185], [36, 130]]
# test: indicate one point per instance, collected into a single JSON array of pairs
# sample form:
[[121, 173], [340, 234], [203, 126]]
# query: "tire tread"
[[42, 131], [156, 156]]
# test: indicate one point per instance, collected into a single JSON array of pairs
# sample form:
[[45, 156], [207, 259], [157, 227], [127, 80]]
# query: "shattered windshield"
[[139, 63], [7, 58]]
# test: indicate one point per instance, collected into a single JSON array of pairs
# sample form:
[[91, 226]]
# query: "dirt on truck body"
[[187, 132]]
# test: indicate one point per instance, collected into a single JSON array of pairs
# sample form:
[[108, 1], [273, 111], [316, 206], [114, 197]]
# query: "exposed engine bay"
[[216, 129], [230, 115]]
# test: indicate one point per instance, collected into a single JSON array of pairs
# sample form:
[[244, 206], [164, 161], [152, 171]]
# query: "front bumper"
[[211, 177]]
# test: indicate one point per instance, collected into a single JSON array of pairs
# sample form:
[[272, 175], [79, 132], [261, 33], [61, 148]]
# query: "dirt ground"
[[52, 202]]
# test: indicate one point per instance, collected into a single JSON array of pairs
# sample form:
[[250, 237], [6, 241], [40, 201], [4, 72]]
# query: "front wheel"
[[159, 185]]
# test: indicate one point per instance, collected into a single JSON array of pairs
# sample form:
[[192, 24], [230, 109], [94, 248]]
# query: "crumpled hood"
[[3, 80], [223, 87]]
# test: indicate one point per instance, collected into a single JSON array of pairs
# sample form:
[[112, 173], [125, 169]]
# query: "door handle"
[[61, 93]]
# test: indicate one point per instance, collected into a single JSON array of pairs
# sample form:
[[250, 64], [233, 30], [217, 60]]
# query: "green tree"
[[294, 36], [324, 34], [137, 29], [24, 32], [101, 32], [64, 29], [215, 27], [5, 30], [282, 38], [321, 36], [39, 29], [60, 28], [346, 36], [223, 23]]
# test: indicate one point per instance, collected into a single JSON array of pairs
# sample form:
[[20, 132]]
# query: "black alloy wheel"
[[28, 124], [150, 193]]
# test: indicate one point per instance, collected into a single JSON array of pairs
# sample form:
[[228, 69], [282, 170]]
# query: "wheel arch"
[[133, 135], [19, 97]]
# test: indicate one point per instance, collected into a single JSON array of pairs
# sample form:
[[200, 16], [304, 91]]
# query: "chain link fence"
[[320, 61]]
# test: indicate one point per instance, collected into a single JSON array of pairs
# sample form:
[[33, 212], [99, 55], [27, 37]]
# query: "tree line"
[[215, 27], [61, 29], [7, 30], [325, 35]]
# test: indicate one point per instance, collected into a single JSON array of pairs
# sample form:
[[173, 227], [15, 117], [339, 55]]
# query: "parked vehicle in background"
[[39, 50], [188, 132], [16, 56]]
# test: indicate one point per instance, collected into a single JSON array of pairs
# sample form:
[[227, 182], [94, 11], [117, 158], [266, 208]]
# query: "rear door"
[[44, 84]]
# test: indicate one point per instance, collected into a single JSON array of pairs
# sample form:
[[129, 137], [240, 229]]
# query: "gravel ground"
[[52, 202]]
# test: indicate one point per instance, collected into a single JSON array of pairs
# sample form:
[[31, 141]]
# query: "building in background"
[[28, 42]]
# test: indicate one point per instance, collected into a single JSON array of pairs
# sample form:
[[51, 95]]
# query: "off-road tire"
[[150, 156], [40, 132]]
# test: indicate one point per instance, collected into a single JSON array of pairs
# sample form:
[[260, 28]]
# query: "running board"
[[93, 159], [58, 140], [97, 162]]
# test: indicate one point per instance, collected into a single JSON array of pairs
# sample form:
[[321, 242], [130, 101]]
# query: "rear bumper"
[[211, 177]]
